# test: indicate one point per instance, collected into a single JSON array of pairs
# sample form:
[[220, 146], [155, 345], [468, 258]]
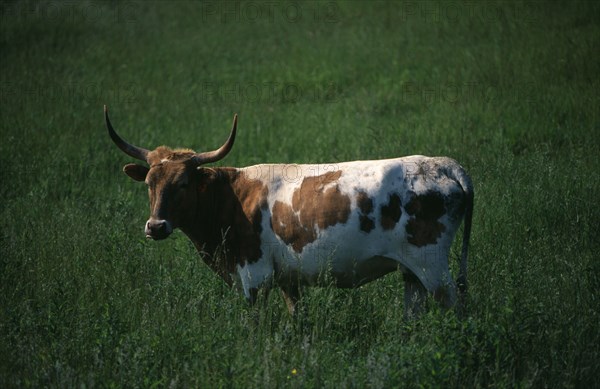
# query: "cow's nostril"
[[157, 229]]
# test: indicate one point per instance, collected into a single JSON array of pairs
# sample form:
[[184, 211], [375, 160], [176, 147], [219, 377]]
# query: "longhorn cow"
[[291, 225]]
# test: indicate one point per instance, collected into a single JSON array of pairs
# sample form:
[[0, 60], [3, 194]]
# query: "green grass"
[[508, 89]]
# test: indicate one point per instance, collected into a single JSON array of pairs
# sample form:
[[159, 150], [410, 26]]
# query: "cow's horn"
[[214, 156], [131, 150]]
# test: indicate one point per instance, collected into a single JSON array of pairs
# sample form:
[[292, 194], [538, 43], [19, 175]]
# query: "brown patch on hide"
[[365, 205], [390, 213], [425, 210], [252, 196], [318, 203]]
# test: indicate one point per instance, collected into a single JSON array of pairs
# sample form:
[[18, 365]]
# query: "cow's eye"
[[183, 186]]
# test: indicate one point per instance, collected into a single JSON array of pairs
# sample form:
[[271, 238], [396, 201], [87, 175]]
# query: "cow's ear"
[[206, 176], [135, 171]]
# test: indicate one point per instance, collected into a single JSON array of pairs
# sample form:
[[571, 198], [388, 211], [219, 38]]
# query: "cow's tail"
[[467, 186]]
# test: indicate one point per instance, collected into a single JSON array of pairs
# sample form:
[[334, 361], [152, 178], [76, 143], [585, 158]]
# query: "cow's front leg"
[[291, 295], [254, 277], [255, 296]]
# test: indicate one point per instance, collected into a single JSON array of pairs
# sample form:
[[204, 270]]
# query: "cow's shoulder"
[[243, 200]]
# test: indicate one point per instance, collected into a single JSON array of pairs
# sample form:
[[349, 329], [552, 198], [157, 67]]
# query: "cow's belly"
[[340, 258], [350, 274], [356, 273]]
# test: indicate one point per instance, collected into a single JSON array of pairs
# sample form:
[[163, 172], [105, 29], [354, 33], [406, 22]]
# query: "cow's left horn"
[[131, 150], [214, 156]]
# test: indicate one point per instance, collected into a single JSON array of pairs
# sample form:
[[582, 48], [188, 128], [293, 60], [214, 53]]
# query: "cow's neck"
[[214, 230]]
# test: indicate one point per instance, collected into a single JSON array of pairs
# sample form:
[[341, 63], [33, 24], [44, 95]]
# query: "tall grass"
[[508, 89]]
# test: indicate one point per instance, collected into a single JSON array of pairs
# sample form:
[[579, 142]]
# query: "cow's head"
[[176, 180]]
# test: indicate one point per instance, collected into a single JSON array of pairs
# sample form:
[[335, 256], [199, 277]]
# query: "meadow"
[[509, 89]]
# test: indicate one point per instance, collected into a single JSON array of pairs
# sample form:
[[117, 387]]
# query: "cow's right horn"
[[213, 156], [131, 150]]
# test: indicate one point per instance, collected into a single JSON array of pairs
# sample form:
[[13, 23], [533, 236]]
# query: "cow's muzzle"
[[158, 229]]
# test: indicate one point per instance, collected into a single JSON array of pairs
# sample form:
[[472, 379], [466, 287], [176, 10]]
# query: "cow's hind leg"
[[433, 273], [445, 292], [415, 295]]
